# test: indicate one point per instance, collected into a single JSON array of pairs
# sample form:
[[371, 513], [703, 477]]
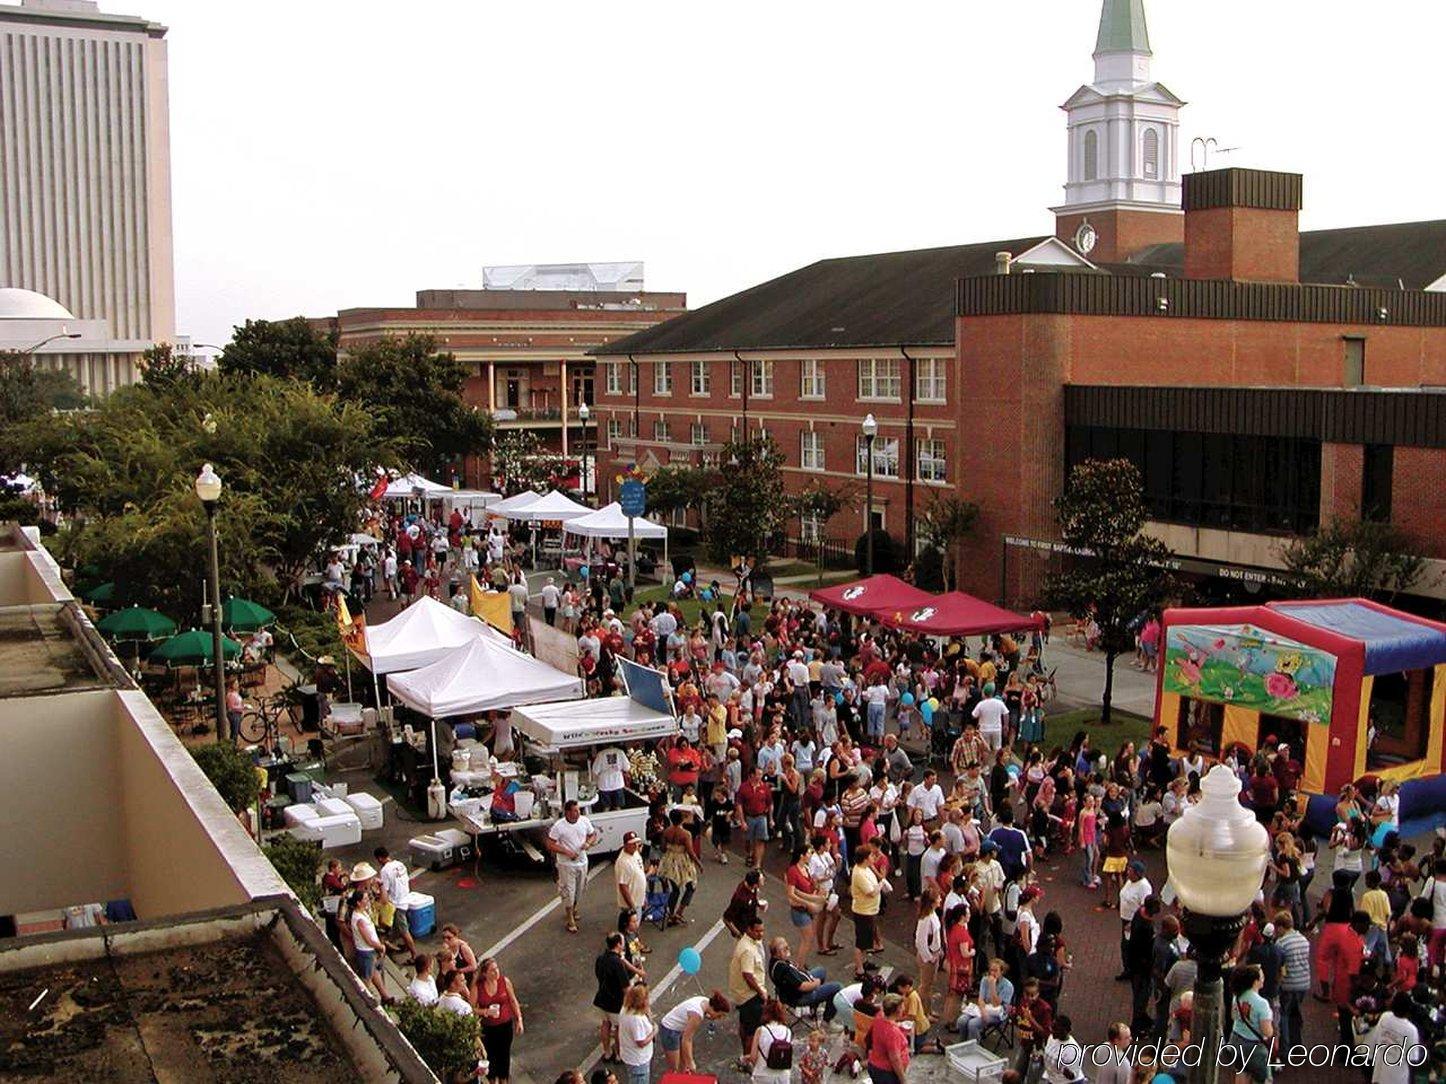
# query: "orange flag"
[[493, 607], [352, 629]]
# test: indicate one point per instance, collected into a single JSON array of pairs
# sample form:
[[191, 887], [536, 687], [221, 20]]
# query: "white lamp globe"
[[208, 485], [1217, 850], [870, 426]]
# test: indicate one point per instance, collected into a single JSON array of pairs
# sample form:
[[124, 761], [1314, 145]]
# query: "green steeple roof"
[[1122, 28]]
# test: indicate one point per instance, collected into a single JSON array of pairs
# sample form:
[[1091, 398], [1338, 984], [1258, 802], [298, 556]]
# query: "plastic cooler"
[[421, 913], [294, 815], [974, 1062], [367, 809], [338, 831], [442, 849], [333, 807]]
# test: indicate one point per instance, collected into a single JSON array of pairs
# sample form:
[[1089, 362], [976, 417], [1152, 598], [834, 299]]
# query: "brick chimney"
[[1242, 224]]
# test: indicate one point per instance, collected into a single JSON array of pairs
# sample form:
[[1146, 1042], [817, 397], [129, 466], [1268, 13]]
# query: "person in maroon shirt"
[[1264, 793], [755, 804]]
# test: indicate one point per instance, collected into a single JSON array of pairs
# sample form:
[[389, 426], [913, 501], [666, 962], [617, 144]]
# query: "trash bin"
[[298, 787], [310, 707]]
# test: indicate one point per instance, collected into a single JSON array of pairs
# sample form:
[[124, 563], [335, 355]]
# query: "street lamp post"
[[871, 430], [583, 413], [208, 488], [63, 334], [1216, 853]]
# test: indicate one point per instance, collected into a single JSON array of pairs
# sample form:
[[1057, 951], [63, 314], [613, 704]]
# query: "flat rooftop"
[[41, 651], [240, 996]]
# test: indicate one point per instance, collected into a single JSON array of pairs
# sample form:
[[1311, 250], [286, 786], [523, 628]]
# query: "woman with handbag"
[[805, 904]]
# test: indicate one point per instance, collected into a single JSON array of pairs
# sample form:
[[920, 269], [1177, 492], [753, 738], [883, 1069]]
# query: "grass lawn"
[[1124, 726]]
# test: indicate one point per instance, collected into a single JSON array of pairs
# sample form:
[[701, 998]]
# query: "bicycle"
[[261, 720]]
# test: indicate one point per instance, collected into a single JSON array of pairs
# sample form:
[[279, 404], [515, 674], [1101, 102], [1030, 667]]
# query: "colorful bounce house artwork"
[[1356, 690]]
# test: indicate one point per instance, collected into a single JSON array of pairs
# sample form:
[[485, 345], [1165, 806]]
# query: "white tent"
[[554, 506], [421, 634], [576, 723], [482, 676], [408, 485], [517, 500], [609, 522]]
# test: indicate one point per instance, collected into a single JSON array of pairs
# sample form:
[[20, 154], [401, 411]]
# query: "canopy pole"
[[347, 656], [377, 691]]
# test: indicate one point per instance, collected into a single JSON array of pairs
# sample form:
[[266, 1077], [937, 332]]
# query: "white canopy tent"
[[409, 485], [500, 508], [575, 723], [481, 676], [609, 522], [423, 633], [553, 506]]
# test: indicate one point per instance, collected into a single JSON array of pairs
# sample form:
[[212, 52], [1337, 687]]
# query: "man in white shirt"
[[1063, 1056], [607, 769], [1132, 895], [460, 602], [663, 624], [990, 713], [928, 798], [631, 880], [569, 840], [550, 597], [394, 878]]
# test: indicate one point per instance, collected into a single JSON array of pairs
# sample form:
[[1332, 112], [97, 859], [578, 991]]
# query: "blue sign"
[[633, 496]]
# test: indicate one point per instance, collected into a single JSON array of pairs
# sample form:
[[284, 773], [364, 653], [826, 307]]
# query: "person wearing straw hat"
[[368, 949]]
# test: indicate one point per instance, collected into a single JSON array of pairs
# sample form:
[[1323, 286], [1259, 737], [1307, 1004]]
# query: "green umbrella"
[[193, 648], [136, 623], [243, 615], [99, 594]]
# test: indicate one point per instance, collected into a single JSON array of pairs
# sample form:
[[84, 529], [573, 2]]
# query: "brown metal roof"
[[892, 298]]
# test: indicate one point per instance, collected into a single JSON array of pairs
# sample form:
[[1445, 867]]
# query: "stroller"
[[655, 904]]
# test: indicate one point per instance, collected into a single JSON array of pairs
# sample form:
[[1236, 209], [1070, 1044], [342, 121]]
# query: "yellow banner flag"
[[352, 629], [493, 607]]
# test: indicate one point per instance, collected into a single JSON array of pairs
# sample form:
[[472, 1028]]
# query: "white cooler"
[[337, 831], [302, 813], [368, 810], [444, 848], [462, 778], [333, 807]]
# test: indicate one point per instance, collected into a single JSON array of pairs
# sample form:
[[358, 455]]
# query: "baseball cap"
[[629, 837], [1033, 892], [988, 847], [1137, 866], [1268, 930]]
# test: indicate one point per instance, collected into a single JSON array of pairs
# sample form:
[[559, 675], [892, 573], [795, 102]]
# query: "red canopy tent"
[[871, 595], [954, 614]]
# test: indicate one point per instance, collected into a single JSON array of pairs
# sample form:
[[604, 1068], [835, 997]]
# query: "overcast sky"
[[332, 155]]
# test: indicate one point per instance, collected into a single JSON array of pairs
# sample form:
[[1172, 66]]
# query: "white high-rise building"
[[85, 181]]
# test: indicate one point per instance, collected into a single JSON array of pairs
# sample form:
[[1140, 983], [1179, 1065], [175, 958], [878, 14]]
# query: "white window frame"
[[762, 379], [931, 380], [632, 426], [811, 382], [662, 431], [614, 377], [697, 430], [735, 378], [615, 431], [632, 378], [877, 383], [810, 440], [700, 378], [886, 456], [662, 378], [810, 528], [937, 458]]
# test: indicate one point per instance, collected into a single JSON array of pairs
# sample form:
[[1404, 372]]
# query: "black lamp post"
[[583, 413], [1216, 853], [871, 430], [208, 489]]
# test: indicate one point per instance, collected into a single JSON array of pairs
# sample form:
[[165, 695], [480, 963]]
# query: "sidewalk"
[[1081, 678]]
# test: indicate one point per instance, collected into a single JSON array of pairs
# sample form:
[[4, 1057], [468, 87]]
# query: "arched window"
[[1091, 156], [1151, 153]]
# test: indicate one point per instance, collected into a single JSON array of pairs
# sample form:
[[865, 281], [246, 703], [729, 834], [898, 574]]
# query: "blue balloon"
[[1013, 769], [690, 961], [926, 709], [907, 700], [838, 698], [687, 577], [583, 572]]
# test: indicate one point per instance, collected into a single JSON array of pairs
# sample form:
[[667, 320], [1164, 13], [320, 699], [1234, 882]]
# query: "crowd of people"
[[889, 770]]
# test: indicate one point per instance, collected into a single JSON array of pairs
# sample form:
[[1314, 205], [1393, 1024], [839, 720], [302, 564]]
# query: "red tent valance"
[[871, 595], [954, 614]]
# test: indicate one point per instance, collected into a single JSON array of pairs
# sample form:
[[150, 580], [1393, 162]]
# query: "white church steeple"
[[1123, 127]]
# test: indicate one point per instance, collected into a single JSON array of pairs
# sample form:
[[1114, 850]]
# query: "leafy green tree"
[[298, 861], [1119, 573], [747, 505], [446, 1041], [678, 485], [160, 364], [289, 458], [231, 772], [28, 390], [947, 521], [520, 463], [1353, 558], [414, 392], [286, 348]]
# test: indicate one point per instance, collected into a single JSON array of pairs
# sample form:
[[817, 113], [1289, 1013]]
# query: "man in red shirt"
[[755, 804]]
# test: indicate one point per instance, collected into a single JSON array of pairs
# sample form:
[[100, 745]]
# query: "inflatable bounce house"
[[1355, 689]]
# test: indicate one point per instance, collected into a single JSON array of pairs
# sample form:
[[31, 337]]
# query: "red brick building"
[[1264, 380], [529, 351]]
